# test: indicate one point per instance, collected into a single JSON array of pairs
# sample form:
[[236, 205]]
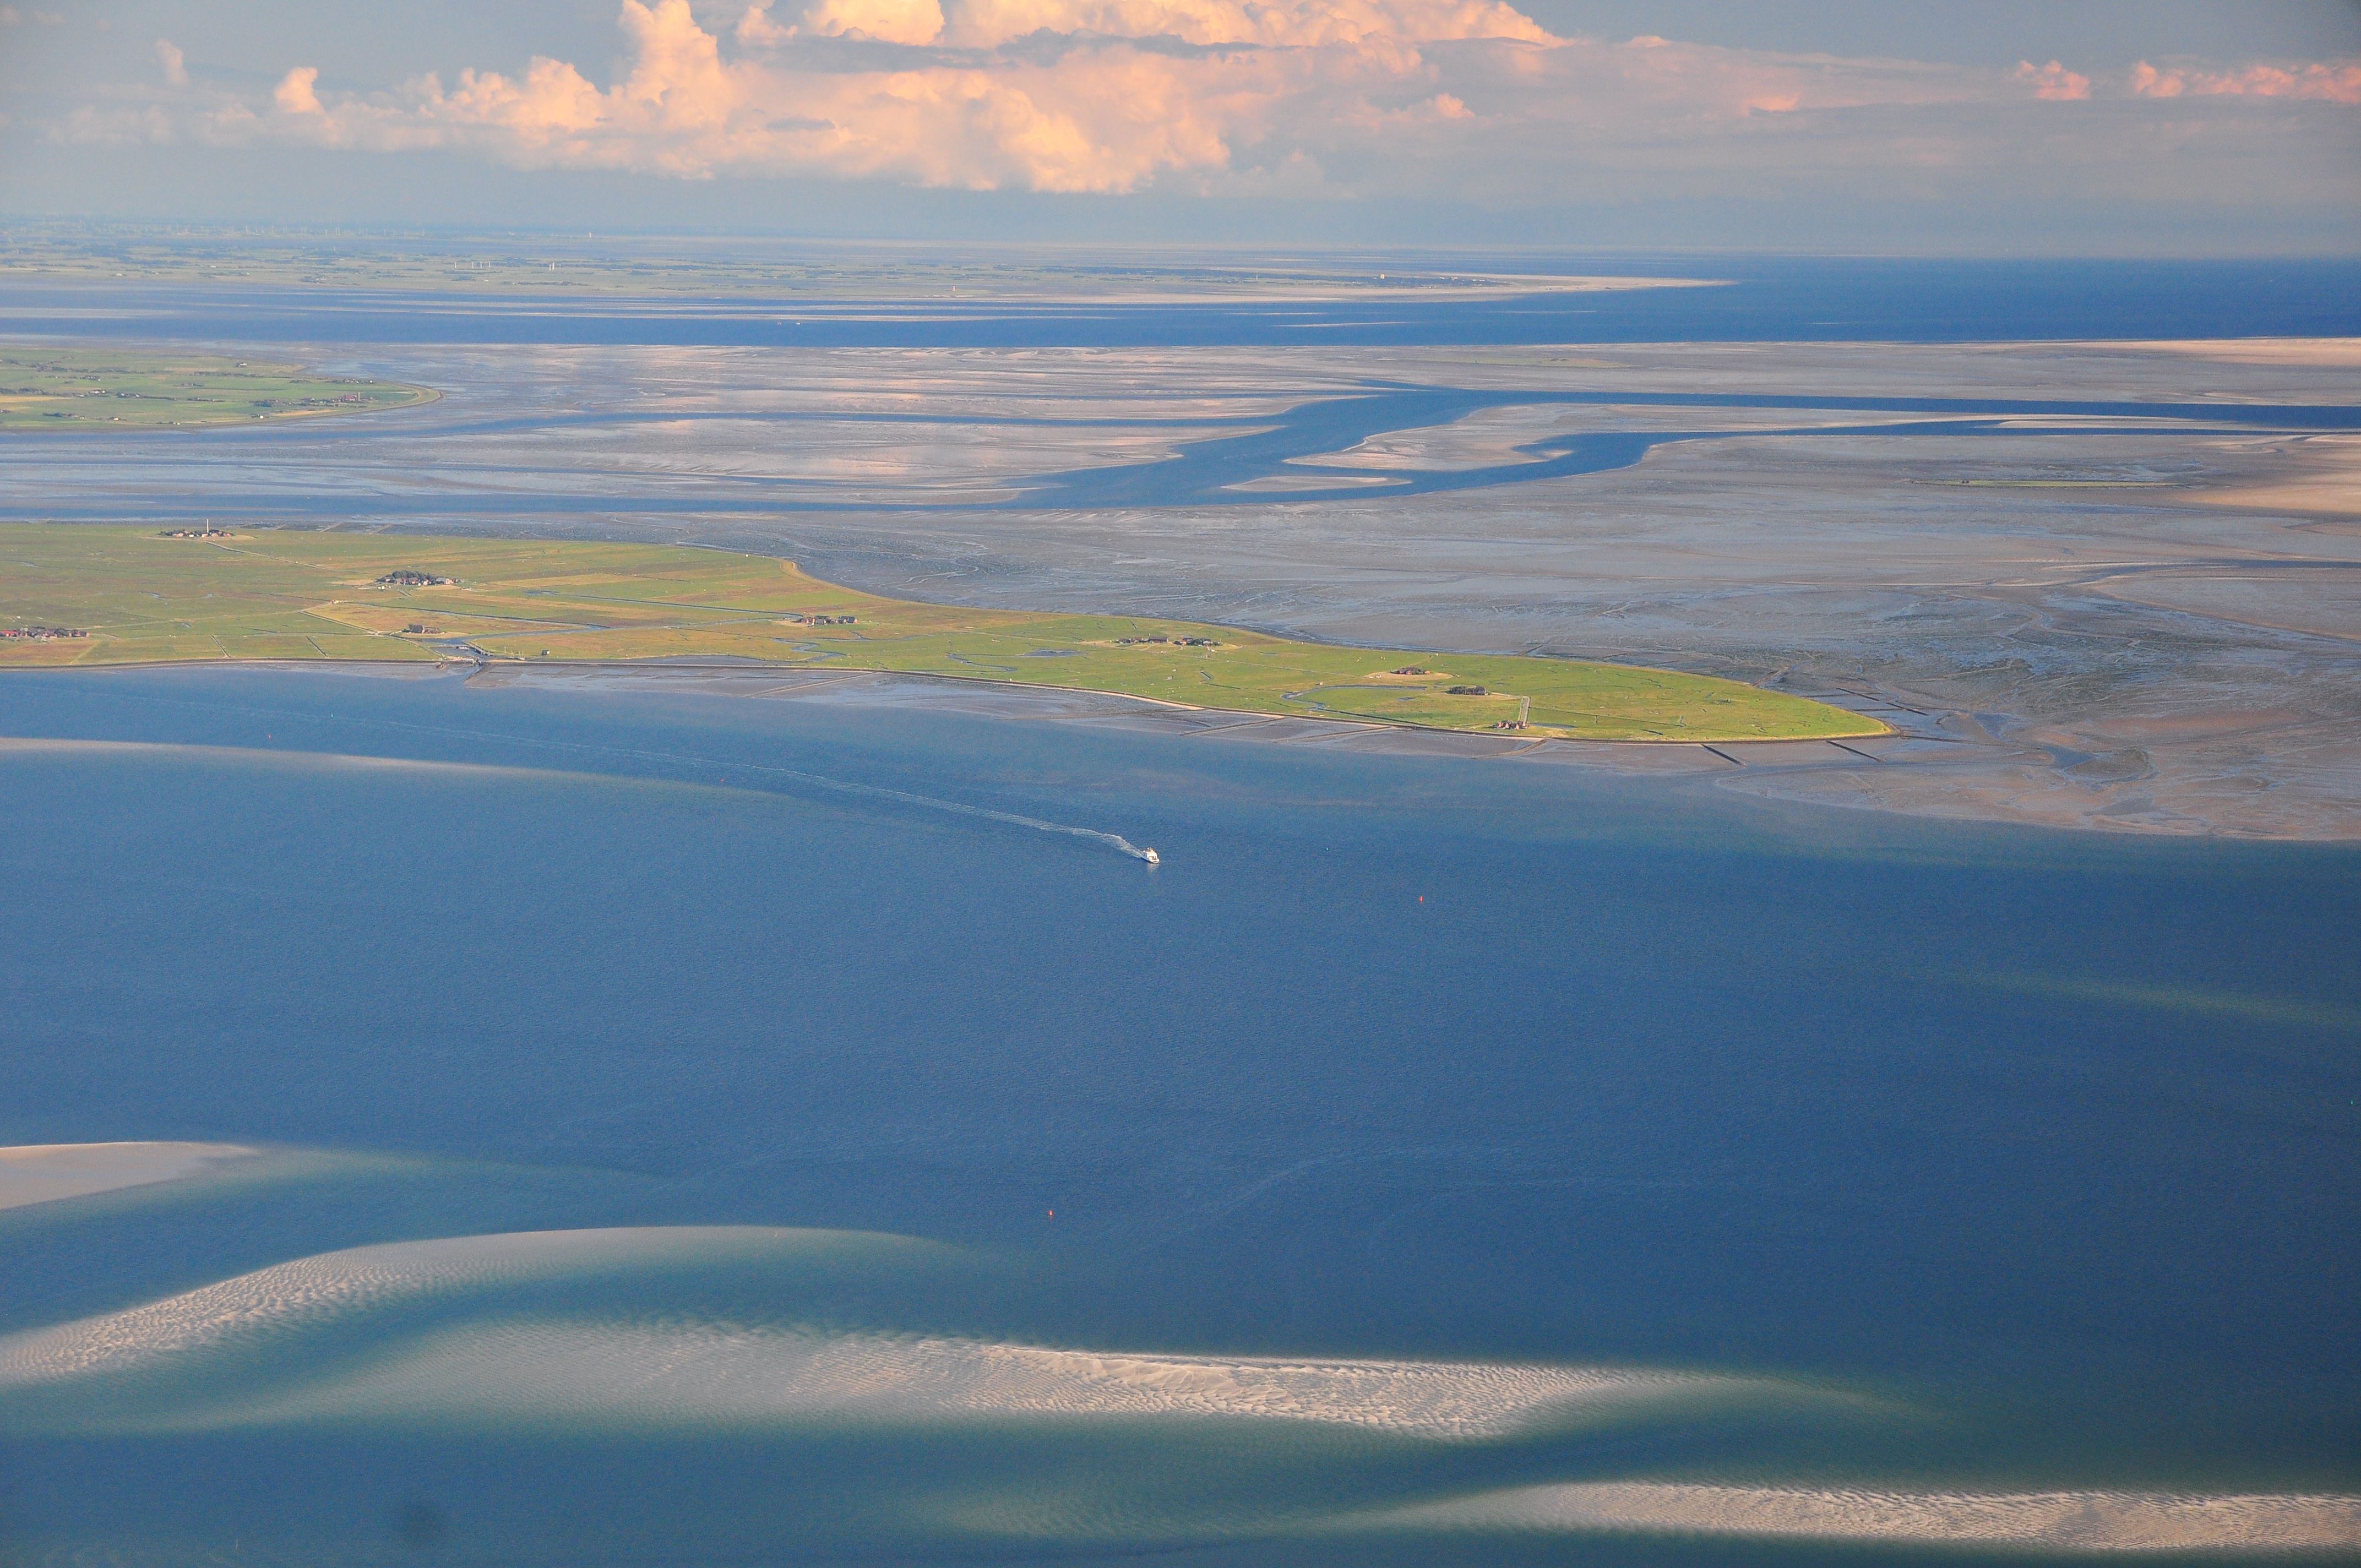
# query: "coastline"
[[1881, 730], [1946, 767], [302, 594]]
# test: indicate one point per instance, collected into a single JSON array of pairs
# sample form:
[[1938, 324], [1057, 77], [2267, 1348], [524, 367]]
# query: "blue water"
[[1767, 300], [2045, 1141], [1208, 472]]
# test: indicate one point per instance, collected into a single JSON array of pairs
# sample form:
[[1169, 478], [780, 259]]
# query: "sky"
[[2101, 127]]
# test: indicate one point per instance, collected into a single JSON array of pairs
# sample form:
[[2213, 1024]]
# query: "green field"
[[816, 273], [140, 598], [87, 389]]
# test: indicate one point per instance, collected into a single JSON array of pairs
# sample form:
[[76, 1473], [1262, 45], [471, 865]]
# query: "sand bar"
[[2075, 1521], [43, 1173]]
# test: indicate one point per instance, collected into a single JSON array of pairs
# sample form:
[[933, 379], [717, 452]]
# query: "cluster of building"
[[207, 531], [1465, 691], [1177, 641], [40, 633], [820, 620], [406, 578]]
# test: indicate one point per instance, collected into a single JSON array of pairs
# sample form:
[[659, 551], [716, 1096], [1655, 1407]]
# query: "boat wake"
[[1114, 842]]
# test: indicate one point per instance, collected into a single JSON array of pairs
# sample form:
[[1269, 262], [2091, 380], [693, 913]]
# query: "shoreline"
[[94, 427], [1938, 770], [306, 595], [1517, 742]]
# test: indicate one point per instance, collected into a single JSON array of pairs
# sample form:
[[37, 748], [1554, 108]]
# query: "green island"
[[91, 594], [815, 273], [89, 389]]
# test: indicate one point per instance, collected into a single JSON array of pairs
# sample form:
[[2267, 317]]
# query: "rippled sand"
[[690, 1371], [2054, 1521], [697, 1374], [253, 1308], [463, 1333]]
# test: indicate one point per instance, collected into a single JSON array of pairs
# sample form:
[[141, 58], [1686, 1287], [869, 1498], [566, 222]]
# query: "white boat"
[[1151, 857]]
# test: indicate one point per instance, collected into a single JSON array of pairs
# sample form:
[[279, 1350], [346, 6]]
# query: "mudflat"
[[2137, 620]]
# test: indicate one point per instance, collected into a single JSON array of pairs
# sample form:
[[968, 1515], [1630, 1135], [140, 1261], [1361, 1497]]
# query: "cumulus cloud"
[[297, 92], [894, 21], [115, 125], [1280, 23], [2053, 80], [2333, 82], [1465, 98], [1066, 95], [174, 63]]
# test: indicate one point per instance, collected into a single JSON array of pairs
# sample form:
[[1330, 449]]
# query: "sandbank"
[[2046, 1521], [43, 1173], [500, 1368]]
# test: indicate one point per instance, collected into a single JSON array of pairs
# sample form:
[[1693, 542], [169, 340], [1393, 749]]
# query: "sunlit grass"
[[87, 389], [139, 598]]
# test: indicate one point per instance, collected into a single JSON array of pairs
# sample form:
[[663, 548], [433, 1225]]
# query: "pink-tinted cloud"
[[1103, 116], [2053, 80], [1298, 23], [2334, 82], [894, 21], [1264, 93], [298, 91], [1465, 98]]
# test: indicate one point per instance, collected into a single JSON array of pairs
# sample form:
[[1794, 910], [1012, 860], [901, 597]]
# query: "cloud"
[[115, 125], [2053, 80], [755, 28], [2335, 81], [1070, 95], [297, 91], [174, 64], [12, 18], [1466, 100], [894, 21], [1276, 22]]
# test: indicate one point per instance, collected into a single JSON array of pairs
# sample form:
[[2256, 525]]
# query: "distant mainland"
[[60, 388], [111, 596]]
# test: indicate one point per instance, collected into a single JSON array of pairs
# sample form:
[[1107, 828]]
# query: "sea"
[[1754, 299], [689, 1127]]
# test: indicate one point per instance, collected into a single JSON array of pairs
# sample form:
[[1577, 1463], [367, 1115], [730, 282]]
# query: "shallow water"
[[1422, 1132], [1763, 298], [245, 472]]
